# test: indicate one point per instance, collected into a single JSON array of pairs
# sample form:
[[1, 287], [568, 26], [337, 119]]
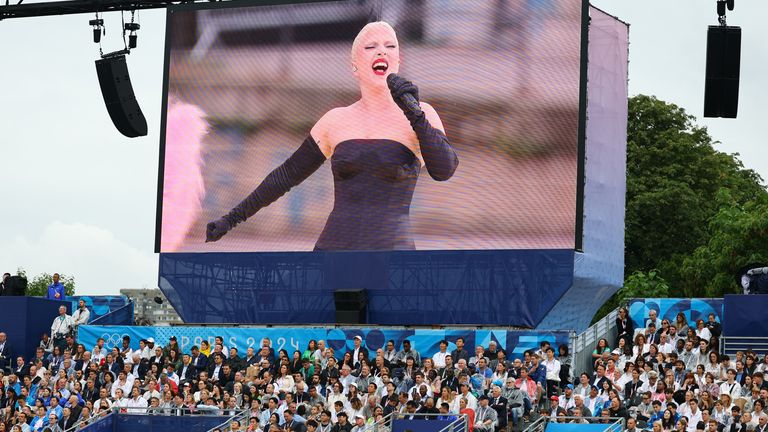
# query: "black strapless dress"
[[373, 180]]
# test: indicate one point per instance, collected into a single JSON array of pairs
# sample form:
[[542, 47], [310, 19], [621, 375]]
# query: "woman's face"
[[375, 55]]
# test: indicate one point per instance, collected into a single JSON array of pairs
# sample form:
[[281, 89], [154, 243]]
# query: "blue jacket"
[[54, 289]]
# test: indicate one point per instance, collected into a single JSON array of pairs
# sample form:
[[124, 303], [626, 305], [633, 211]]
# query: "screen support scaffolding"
[[69, 7]]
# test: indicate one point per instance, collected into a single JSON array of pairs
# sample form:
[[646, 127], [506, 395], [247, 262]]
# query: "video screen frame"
[[581, 125]]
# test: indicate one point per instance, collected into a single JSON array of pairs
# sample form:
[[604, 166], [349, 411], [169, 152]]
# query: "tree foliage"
[[738, 235], [38, 286], [677, 183], [694, 215]]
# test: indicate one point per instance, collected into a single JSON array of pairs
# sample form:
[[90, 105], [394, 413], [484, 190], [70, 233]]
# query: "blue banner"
[[426, 341], [668, 308]]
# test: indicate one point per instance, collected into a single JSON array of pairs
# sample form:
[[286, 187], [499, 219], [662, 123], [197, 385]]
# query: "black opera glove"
[[300, 165], [399, 88], [440, 159]]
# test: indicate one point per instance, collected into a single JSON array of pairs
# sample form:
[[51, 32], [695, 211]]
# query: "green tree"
[[38, 286], [737, 238], [694, 215], [674, 176]]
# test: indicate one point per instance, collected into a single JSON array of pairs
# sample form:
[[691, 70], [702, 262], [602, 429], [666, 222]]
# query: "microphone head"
[[391, 79]]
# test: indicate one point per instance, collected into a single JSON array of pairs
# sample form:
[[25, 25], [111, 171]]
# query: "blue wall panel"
[[25, 319], [745, 315], [507, 288]]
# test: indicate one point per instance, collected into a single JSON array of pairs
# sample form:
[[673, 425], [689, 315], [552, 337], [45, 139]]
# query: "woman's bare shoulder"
[[321, 131]]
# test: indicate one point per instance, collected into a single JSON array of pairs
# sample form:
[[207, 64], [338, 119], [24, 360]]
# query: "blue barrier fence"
[[426, 341], [419, 425], [104, 424], [154, 423]]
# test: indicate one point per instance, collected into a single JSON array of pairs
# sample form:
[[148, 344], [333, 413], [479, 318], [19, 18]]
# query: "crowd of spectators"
[[669, 376], [666, 376], [314, 390]]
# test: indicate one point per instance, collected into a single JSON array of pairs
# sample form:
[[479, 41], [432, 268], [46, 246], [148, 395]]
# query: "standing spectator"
[[624, 327], [81, 315], [714, 327], [460, 352], [553, 371], [3, 284], [5, 352], [56, 289], [62, 326]]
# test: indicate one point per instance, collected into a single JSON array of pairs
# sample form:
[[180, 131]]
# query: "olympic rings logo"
[[112, 340]]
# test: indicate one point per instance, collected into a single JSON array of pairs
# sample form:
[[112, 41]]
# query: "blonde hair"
[[370, 26]]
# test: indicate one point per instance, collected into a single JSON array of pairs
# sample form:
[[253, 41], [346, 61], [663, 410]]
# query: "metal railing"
[[460, 424], [583, 344], [730, 344], [82, 423], [612, 424], [239, 417]]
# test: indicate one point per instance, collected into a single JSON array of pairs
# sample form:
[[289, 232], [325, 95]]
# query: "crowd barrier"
[[426, 341]]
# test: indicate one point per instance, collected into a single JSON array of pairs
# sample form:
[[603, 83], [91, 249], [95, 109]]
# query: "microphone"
[[407, 99]]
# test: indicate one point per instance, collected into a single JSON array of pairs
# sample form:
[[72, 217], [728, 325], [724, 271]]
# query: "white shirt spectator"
[[704, 333], [439, 359], [126, 386], [734, 390], [120, 403], [152, 393], [81, 317], [62, 325], [553, 369], [693, 420], [139, 402]]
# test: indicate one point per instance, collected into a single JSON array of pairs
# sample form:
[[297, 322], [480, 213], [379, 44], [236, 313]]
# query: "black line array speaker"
[[16, 286], [721, 91], [351, 306], [116, 88]]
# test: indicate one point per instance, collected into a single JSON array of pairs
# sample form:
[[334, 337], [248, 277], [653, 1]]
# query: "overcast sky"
[[79, 198]]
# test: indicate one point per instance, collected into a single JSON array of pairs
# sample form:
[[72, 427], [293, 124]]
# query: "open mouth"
[[380, 66]]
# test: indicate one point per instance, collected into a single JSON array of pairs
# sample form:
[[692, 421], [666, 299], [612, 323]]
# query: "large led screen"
[[371, 125]]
